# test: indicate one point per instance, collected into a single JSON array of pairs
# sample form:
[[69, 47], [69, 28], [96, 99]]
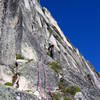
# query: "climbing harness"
[[39, 80]]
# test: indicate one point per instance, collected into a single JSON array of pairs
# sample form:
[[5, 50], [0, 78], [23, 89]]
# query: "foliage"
[[28, 90], [30, 60], [55, 66], [72, 90], [56, 96], [66, 98], [8, 84], [62, 85], [19, 56]]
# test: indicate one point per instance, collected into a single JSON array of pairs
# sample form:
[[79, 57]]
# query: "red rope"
[[47, 83], [39, 82]]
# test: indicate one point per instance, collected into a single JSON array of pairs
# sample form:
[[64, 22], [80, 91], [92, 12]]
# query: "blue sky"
[[80, 22]]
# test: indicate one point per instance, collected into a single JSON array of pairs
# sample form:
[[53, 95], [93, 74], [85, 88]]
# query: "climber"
[[16, 66], [89, 78], [51, 50], [15, 80]]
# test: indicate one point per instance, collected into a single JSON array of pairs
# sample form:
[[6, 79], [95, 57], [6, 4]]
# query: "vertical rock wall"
[[7, 33]]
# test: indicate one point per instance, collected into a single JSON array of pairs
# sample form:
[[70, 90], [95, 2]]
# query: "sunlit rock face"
[[26, 29]]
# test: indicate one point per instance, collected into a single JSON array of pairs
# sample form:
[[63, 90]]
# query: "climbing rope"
[[39, 80], [47, 83]]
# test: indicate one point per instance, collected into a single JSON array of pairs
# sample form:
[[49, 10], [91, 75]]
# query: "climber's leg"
[[51, 54]]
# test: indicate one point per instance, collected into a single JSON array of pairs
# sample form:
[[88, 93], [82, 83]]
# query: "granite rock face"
[[26, 29], [10, 94]]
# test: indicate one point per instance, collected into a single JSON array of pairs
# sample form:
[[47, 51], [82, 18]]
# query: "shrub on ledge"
[[19, 56], [8, 84], [55, 66], [73, 90]]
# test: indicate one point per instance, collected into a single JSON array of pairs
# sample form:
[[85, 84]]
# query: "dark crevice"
[[4, 10], [13, 5], [5, 5]]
